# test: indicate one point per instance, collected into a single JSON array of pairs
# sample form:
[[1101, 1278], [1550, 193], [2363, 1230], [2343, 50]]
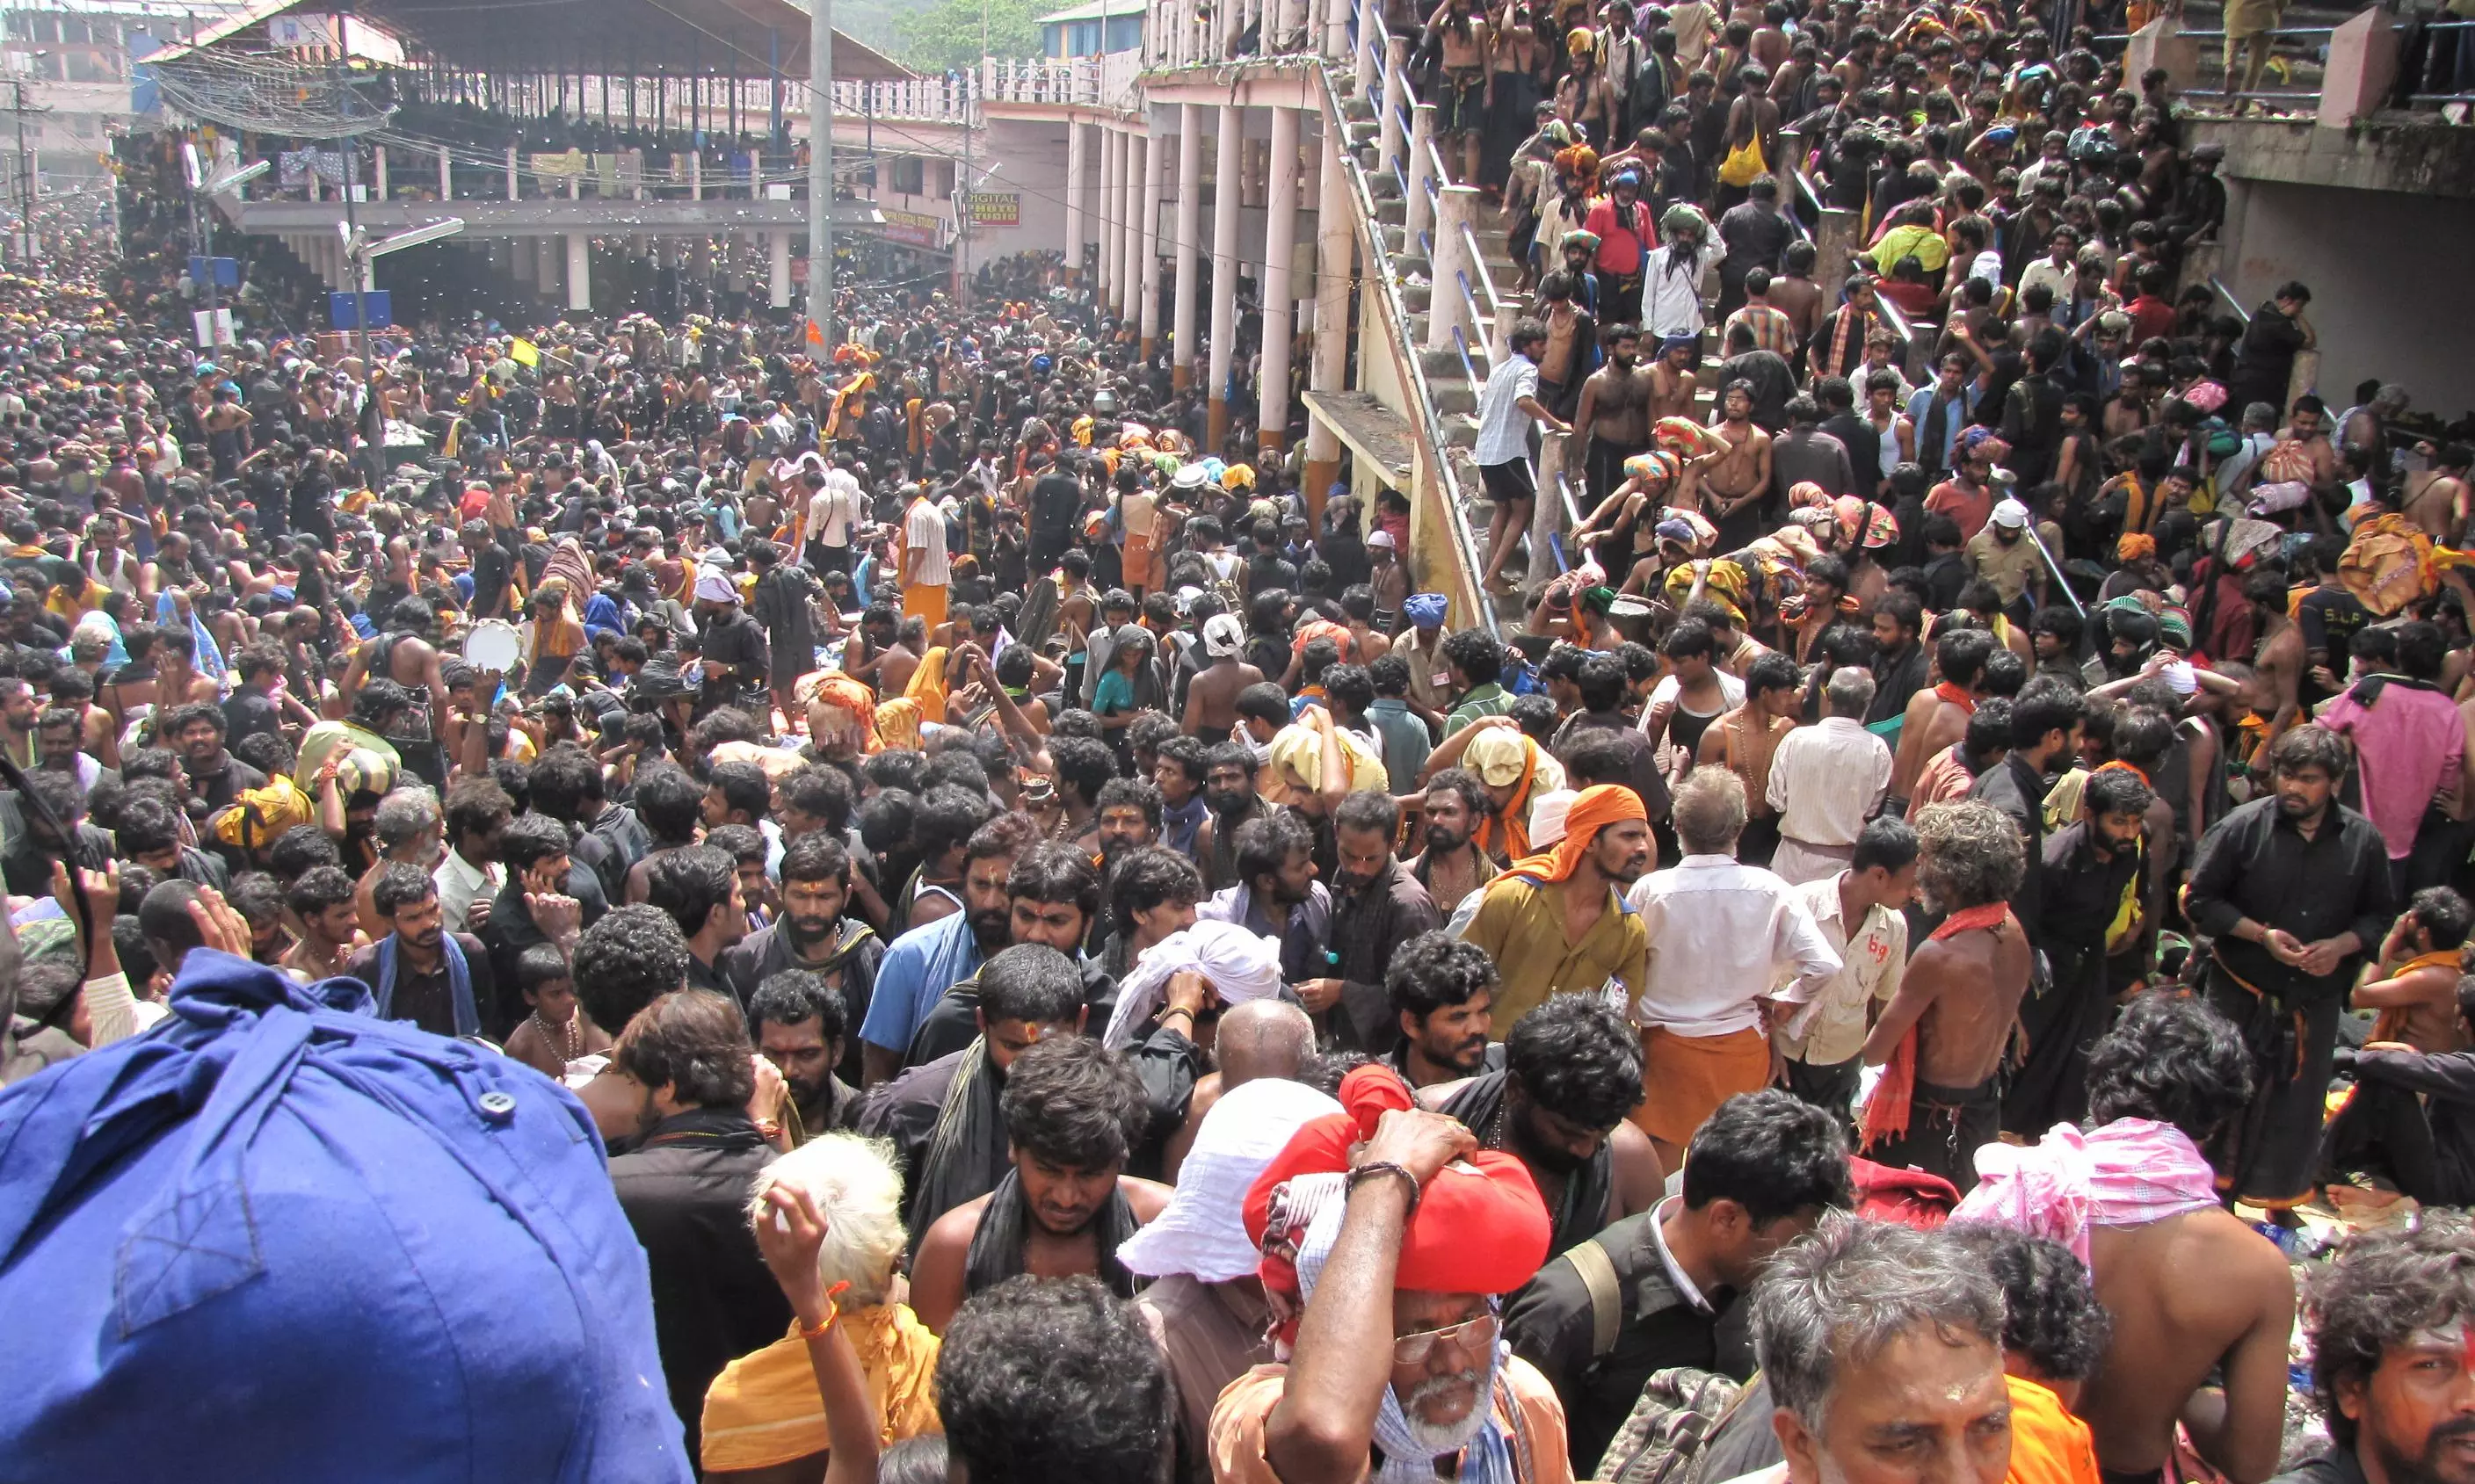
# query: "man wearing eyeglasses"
[[1387, 1220]]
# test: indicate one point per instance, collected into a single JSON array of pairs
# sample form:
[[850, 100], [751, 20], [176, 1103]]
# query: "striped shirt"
[[1773, 331]]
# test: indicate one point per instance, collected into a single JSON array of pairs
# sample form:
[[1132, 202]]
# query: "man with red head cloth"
[[1389, 1220]]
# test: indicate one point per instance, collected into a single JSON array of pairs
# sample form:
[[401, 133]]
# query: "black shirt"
[[491, 569], [2019, 790], [1896, 681], [2082, 889], [2255, 863], [1774, 384], [429, 1000], [1551, 1322], [219, 789], [247, 712], [1055, 499]]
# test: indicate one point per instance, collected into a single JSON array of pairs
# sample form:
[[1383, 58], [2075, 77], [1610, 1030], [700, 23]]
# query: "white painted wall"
[[2391, 295]]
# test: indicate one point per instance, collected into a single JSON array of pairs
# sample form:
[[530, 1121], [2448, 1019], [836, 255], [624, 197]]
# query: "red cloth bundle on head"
[[1480, 1225]]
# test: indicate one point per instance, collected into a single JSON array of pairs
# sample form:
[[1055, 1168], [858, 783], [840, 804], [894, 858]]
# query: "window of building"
[[910, 175]]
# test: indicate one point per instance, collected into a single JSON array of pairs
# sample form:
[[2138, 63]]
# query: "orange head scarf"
[[1592, 810]]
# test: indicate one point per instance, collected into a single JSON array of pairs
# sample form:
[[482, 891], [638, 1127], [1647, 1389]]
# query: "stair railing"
[[1434, 446]]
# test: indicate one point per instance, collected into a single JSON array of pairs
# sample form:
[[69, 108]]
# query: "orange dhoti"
[[925, 601], [1685, 1078], [1138, 561]]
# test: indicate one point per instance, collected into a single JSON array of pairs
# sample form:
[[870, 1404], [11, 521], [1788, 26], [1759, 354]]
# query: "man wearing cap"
[[1390, 1220], [2002, 554], [1206, 1305], [1556, 923]]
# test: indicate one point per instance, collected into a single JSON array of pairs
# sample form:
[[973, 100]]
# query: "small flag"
[[523, 352], [815, 337]]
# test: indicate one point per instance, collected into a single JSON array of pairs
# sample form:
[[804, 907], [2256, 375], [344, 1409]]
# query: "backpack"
[[1661, 1440]]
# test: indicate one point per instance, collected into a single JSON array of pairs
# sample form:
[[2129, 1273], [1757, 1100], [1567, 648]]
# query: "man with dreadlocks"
[[1943, 1035]]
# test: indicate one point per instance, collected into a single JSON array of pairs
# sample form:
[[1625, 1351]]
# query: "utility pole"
[[28, 261], [820, 169], [963, 189]]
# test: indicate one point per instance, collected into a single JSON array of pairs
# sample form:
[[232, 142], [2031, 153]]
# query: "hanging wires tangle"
[[268, 94]]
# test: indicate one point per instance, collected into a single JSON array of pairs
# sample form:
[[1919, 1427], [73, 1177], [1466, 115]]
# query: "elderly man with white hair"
[[828, 1216], [1206, 1303]]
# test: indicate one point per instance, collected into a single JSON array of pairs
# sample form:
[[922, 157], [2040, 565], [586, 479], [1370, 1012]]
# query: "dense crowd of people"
[[667, 897]]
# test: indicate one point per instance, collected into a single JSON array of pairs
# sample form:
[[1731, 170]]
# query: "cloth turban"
[[1236, 965], [1480, 1226], [1202, 1231], [1223, 636]]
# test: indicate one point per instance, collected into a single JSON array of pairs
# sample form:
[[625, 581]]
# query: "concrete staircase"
[[1455, 374]]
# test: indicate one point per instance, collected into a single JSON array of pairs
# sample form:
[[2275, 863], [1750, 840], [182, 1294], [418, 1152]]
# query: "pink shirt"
[[2409, 745]]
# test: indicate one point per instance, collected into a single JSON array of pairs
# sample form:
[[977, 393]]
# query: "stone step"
[[1392, 211]]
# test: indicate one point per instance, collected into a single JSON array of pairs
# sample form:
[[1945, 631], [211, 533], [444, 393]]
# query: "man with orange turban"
[[1555, 924], [1387, 1220]]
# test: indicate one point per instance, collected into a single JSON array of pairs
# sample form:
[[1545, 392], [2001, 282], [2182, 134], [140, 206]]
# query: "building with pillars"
[[1253, 171]]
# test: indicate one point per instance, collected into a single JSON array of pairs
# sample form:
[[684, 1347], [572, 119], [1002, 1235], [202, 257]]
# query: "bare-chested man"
[[2173, 1062], [1960, 997], [1937, 716], [1452, 865], [2413, 986], [2436, 498], [405, 656], [2279, 657], [1735, 480], [1612, 422], [2309, 428], [1671, 379], [1461, 31], [1211, 695]]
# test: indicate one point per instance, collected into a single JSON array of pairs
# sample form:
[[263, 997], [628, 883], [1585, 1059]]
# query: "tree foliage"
[[943, 36]]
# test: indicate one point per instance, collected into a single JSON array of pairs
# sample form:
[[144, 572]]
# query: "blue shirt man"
[[919, 966]]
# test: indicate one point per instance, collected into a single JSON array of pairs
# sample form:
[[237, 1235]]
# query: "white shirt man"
[[1824, 780], [460, 884], [923, 543], [1822, 1043], [1724, 936], [832, 508], [1721, 935]]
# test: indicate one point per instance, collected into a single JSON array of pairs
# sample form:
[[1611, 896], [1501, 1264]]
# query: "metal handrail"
[[1898, 322], [1469, 298], [1460, 343], [2231, 302], [1573, 516], [1413, 371], [1491, 301]]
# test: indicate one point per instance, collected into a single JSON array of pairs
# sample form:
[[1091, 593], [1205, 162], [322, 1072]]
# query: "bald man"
[[1256, 1039]]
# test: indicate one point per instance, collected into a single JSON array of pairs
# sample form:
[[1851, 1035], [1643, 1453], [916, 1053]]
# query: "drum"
[[493, 644]]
